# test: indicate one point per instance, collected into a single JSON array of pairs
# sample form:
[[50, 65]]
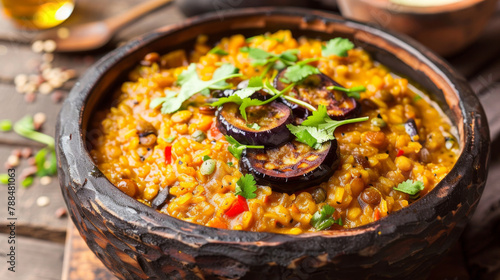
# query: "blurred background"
[[44, 49]]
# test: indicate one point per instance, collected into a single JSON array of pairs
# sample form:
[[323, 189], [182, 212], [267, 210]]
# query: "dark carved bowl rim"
[[70, 126]]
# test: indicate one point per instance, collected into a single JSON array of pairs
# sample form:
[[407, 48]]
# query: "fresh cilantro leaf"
[[323, 219], [288, 56], [206, 157], [191, 84], [338, 47], [410, 187], [247, 102], [260, 57], [309, 135], [299, 72], [318, 117], [220, 74], [246, 186], [319, 128], [5, 125], [218, 51], [254, 85], [417, 98], [242, 97], [351, 92], [230, 164], [330, 125], [155, 103], [354, 95], [46, 163], [254, 126], [236, 148]]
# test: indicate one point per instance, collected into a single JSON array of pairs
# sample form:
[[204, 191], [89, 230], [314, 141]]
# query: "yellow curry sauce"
[[374, 158]]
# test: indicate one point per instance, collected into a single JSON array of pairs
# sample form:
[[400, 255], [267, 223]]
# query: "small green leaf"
[[236, 148], [417, 98], [5, 125], [410, 187], [28, 181], [191, 84], [351, 92], [338, 47], [230, 164], [218, 51], [323, 219], [318, 117], [246, 186], [206, 157], [299, 72]]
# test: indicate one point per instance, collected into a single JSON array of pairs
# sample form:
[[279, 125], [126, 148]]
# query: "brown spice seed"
[[61, 212], [29, 97], [26, 152], [16, 152]]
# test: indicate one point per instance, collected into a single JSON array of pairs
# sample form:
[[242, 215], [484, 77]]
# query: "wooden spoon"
[[93, 35]]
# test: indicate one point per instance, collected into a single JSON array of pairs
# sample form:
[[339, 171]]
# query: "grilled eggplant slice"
[[265, 125], [292, 166], [314, 91]]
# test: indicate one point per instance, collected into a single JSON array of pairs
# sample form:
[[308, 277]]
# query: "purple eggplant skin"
[[272, 118], [340, 106], [411, 128], [289, 178]]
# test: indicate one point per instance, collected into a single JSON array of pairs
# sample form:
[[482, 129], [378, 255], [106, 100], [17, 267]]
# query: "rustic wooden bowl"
[[136, 242], [446, 29]]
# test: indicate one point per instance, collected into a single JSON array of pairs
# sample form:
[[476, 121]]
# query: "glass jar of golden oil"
[[38, 14]]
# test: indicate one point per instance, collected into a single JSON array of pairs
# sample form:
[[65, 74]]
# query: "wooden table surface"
[[41, 235]]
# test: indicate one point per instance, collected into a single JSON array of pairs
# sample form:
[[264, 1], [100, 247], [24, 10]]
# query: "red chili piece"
[[377, 215], [168, 154], [214, 133], [400, 153], [238, 207]]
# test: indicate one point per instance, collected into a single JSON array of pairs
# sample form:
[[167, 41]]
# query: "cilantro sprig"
[[351, 92], [191, 84], [337, 46], [300, 71], [411, 187], [246, 186], [236, 148], [218, 51], [323, 219], [319, 128], [261, 57], [242, 96]]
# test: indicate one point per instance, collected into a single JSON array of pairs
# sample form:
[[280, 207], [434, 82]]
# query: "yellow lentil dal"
[[374, 158]]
